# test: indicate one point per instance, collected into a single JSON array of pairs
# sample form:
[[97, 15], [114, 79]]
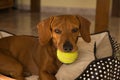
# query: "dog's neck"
[[50, 47]]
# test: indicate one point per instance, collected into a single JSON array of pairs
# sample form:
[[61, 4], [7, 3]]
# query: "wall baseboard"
[[64, 10], [23, 7]]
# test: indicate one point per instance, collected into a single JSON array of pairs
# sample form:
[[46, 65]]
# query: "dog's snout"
[[67, 46]]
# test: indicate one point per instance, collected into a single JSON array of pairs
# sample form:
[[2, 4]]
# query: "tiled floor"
[[19, 22], [24, 23]]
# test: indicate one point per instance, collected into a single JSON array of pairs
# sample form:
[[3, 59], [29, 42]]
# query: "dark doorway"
[[116, 8], [35, 5]]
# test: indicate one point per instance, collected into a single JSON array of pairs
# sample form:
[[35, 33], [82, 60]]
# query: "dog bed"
[[101, 50], [107, 68], [5, 34], [97, 60]]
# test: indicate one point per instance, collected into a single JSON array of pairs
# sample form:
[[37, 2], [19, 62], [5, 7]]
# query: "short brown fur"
[[27, 54]]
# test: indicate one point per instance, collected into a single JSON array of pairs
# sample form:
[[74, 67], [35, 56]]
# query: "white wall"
[[23, 4], [70, 3], [60, 3]]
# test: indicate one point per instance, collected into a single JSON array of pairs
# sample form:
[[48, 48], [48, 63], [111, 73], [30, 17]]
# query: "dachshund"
[[23, 55]]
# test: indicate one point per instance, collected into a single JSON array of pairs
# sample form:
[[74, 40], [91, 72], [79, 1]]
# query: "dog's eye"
[[74, 30], [57, 31]]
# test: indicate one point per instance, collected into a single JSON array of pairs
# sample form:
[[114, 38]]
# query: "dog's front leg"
[[48, 72], [44, 75]]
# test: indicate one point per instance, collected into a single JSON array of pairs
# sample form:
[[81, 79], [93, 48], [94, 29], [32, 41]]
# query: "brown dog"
[[19, 54]]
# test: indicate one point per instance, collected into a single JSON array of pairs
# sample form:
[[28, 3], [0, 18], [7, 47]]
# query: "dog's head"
[[64, 31]]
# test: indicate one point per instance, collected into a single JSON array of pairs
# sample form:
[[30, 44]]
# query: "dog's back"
[[18, 42]]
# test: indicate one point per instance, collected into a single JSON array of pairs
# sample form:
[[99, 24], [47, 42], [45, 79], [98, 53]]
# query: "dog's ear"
[[44, 31], [84, 28]]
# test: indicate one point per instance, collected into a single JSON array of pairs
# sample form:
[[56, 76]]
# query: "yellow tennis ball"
[[66, 57]]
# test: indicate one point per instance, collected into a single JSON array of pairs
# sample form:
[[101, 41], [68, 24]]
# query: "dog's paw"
[[33, 77]]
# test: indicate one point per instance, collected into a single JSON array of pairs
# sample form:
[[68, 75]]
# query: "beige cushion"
[[5, 34], [2, 77], [104, 48], [86, 55]]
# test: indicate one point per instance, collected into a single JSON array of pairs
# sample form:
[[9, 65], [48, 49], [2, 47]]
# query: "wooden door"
[[102, 15]]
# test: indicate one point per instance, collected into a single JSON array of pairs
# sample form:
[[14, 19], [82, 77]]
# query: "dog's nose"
[[67, 46]]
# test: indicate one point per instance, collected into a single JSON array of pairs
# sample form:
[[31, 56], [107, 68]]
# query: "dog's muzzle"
[[67, 46]]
